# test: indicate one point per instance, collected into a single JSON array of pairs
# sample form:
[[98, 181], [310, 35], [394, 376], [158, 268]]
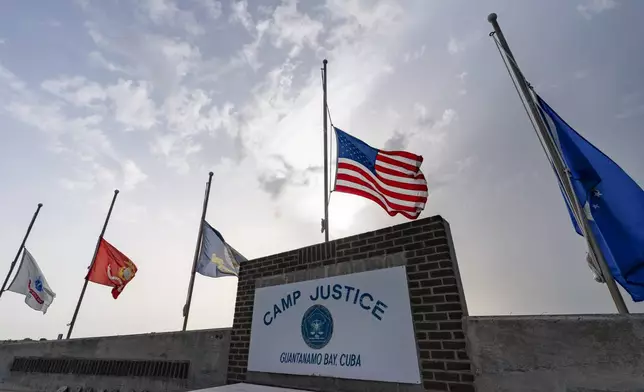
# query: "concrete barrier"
[[175, 361], [557, 353]]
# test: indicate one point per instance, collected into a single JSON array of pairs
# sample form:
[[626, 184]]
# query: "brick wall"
[[437, 300]]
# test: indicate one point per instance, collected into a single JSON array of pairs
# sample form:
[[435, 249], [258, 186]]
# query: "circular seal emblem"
[[317, 327], [38, 284]]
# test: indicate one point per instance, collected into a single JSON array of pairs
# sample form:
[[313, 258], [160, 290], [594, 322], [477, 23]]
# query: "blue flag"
[[216, 257], [613, 203]]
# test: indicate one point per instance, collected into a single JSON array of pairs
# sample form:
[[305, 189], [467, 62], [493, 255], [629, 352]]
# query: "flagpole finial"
[[39, 205], [324, 61], [210, 174], [491, 18], [116, 191]]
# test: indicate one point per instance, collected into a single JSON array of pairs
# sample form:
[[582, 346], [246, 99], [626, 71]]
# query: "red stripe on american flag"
[[386, 181], [379, 189], [357, 180], [358, 192], [403, 154], [395, 162], [392, 172]]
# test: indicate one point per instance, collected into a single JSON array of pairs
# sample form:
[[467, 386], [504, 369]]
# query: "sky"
[[149, 96]]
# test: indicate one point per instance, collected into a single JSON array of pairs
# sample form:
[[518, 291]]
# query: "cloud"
[[165, 60], [240, 14], [459, 45], [424, 126], [449, 115], [10, 79], [131, 101], [595, 7], [81, 138], [290, 27], [274, 182], [212, 7], [96, 58], [581, 74], [632, 105], [398, 141], [76, 90], [132, 175], [168, 13], [415, 55], [132, 104], [454, 46]]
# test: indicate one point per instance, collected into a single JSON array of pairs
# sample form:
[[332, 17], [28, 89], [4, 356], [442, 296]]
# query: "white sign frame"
[[363, 331]]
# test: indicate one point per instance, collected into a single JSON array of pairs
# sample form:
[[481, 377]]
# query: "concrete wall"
[[425, 247], [207, 351], [557, 353]]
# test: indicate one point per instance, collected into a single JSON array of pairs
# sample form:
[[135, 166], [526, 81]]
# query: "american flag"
[[390, 178]]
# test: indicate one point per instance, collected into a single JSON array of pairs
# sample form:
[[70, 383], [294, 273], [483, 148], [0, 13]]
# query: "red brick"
[[436, 242], [433, 299], [443, 376], [427, 326], [419, 275], [434, 365], [404, 241], [428, 267], [430, 345], [441, 273], [461, 387], [451, 325], [440, 335], [456, 315], [445, 289], [414, 246], [442, 354], [423, 308], [454, 345], [447, 307], [457, 366], [436, 316], [434, 386], [453, 298], [385, 244]]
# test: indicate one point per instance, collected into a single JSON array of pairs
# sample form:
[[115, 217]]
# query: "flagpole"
[[186, 308], [98, 243], [325, 223], [22, 245], [560, 168]]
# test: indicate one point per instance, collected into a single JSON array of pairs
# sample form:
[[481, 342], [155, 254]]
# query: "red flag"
[[111, 268]]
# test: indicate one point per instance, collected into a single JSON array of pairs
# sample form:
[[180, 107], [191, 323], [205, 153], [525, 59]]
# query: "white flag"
[[32, 283]]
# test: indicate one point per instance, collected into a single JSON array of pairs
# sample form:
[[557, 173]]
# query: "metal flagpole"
[[22, 245], [325, 222], [186, 307], [98, 243], [560, 168]]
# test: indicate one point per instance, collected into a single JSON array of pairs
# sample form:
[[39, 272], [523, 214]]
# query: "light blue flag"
[[613, 203], [216, 257]]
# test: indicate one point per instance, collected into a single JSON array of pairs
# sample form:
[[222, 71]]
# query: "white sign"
[[356, 326]]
